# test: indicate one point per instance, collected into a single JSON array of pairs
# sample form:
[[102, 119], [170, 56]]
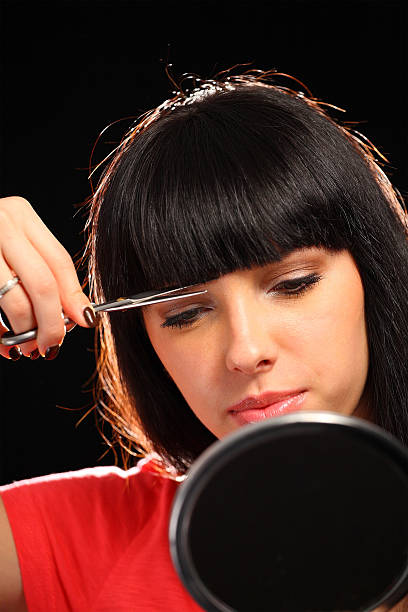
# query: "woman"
[[251, 192]]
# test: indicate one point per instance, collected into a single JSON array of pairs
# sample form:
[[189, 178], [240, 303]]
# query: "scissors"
[[135, 301]]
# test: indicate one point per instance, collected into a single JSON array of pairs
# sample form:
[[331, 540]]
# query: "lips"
[[263, 400], [272, 403]]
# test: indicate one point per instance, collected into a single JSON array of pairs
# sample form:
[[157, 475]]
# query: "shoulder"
[[93, 497], [60, 525], [96, 480]]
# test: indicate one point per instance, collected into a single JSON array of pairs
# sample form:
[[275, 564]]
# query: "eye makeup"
[[295, 287], [183, 319]]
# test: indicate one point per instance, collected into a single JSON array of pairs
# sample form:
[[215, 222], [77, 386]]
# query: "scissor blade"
[[128, 303]]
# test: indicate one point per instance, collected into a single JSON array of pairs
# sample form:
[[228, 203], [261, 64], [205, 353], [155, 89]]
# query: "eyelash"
[[292, 288]]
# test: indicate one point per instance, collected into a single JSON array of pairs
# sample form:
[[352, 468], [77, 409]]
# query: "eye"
[[296, 286], [183, 319]]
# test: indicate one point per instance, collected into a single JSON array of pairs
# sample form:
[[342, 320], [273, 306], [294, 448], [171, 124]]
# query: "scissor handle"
[[26, 336]]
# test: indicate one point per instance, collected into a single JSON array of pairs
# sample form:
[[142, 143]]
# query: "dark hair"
[[238, 173]]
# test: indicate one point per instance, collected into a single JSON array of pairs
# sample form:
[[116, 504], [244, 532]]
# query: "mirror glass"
[[305, 512]]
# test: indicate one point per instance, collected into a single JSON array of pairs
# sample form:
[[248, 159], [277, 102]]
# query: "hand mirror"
[[306, 512]]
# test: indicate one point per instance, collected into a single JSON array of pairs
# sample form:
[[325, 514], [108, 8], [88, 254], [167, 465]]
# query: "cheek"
[[335, 345], [189, 360]]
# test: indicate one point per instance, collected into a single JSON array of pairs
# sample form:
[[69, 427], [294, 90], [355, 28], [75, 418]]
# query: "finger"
[[73, 299], [41, 287]]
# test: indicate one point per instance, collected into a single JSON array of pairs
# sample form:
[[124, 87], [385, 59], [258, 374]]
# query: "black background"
[[70, 68]]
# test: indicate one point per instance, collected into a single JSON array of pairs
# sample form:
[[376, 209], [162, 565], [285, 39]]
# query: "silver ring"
[[9, 285]]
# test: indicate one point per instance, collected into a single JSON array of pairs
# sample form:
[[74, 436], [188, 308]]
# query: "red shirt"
[[96, 540]]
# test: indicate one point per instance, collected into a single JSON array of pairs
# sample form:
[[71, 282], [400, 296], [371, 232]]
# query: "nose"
[[251, 346]]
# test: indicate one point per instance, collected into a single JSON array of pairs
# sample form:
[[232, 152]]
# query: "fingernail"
[[15, 353], [51, 352], [90, 316], [34, 354]]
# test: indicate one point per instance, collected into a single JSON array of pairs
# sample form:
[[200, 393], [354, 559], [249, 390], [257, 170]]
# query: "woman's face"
[[287, 336]]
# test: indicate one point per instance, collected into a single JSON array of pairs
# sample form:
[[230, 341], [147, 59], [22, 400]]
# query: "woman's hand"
[[48, 282]]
